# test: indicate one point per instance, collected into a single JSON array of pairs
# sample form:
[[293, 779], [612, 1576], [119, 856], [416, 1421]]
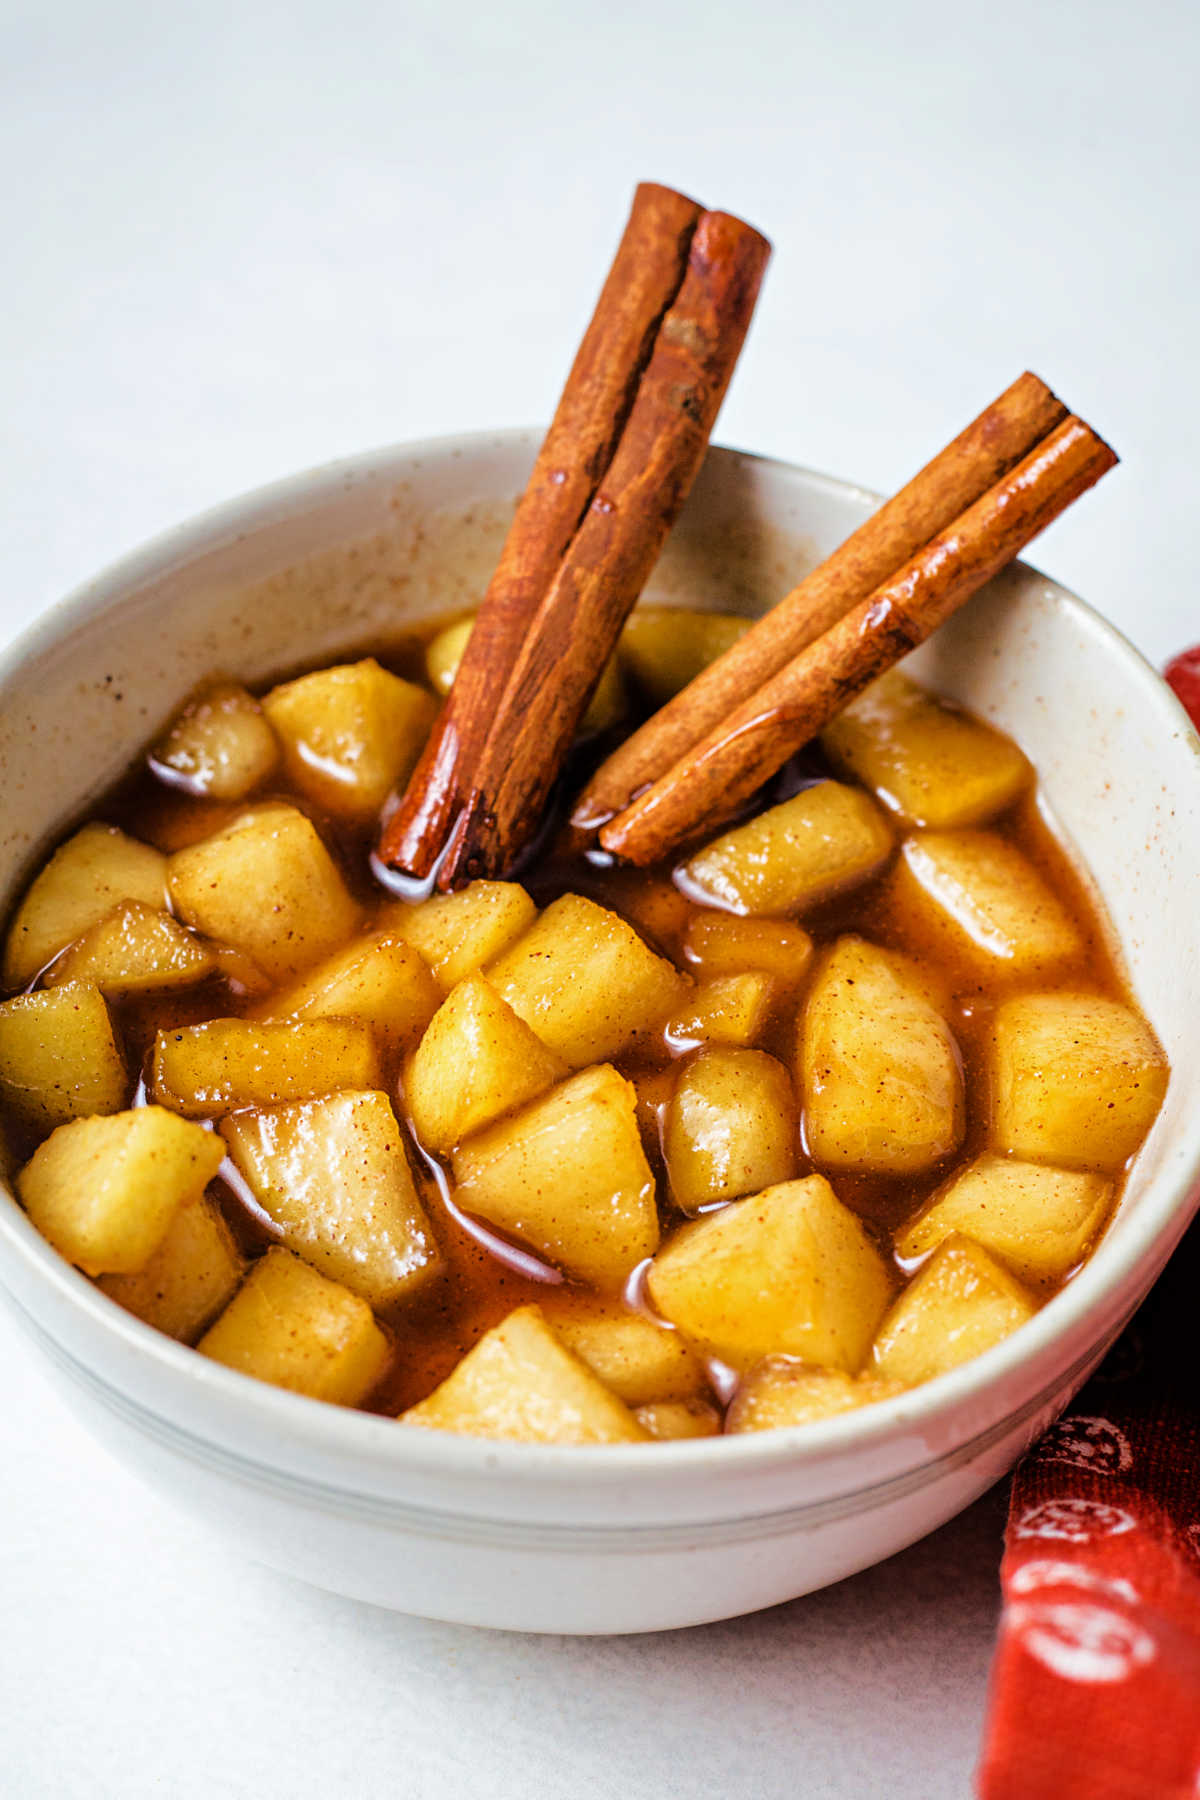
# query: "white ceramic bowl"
[[621, 1538]]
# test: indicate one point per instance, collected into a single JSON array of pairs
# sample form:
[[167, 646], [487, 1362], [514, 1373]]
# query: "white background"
[[238, 240]]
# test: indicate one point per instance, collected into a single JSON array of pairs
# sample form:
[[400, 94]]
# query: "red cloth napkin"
[[1095, 1690]]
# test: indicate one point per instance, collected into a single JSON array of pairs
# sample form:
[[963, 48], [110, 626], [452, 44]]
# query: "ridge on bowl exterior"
[[621, 1538]]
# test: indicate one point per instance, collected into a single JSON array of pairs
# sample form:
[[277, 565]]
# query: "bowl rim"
[[333, 1431]]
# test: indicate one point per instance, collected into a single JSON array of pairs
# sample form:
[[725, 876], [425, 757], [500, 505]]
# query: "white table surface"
[[241, 239]]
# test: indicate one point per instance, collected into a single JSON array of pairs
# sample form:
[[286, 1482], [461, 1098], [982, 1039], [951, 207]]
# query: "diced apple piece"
[[568, 1176], [665, 647], [961, 1303], [654, 1090], [220, 747], [105, 1190], [731, 1009], [135, 950], [585, 982], [779, 1392], [1038, 1220], [90, 874], [268, 886], [636, 1358], [719, 944], [519, 1382], [983, 901], [456, 934], [444, 653], [654, 906], [293, 1327], [668, 1420], [476, 1062], [379, 980], [350, 734], [1074, 1079], [825, 839], [879, 1069], [58, 1057], [787, 1272], [194, 1272], [731, 1127], [333, 1176], [928, 763], [209, 1069]]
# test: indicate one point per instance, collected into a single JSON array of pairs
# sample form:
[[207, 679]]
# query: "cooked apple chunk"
[[1074, 1079], [456, 934], [333, 1176], [928, 763], [585, 982], [209, 1069], [105, 1190], [136, 949], [220, 747], [731, 1009], [787, 1272], [665, 647], [719, 944], [293, 1327], [268, 886], [731, 1127], [879, 1069], [476, 1061], [825, 839], [779, 1392], [378, 979], [608, 704], [669, 1420], [90, 874], [961, 1303], [58, 1057], [194, 1273], [985, 901], [638, 1359], [1038, 1220], [350, 734], [568, 1176], [519, 1382]]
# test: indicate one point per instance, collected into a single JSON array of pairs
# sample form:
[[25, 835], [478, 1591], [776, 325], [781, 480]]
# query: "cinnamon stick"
[[713, 777], [643, 281], [989, 447], [575, 629]]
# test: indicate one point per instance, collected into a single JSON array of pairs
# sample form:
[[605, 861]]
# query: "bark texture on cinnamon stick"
[[775, 719], [990, 446], [644, 279]]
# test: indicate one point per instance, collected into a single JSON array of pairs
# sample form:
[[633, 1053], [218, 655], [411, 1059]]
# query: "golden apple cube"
[[58, 1057], [1075, 1079], [961, 1303], [350, 734], [787, 1272], [985, 902], [718, 944], [731, 1009], [926, 761], [878, 1067], [731, 1127], [379, 980], [194, 1273], [638, 1359], [291, 1326], [457, 934], [90, 874], [665, 647], [670, 1420], [824, 840], [204, 1070], [333, 1176], [779, 1392], [476, 1062], [268, 886], [568, 1176], [520, 1383], [585, 982], [220, 747], [136, 949], [1039, 1220], [105, 1190], [445, 651]]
